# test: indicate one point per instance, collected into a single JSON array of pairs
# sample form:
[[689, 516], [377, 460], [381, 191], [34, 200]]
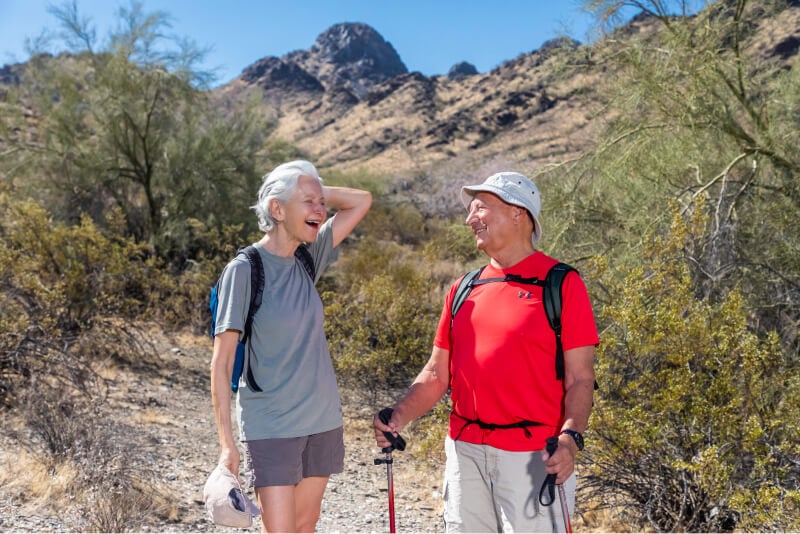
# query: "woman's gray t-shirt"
[[289, 358]]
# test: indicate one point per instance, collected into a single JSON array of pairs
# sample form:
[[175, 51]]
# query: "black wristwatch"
[[574, 435]]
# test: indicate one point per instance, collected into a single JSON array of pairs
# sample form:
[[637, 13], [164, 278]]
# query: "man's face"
[[492, 222]]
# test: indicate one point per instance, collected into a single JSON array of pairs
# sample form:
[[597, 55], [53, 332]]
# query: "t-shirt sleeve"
[[233, 296], [578, 328], [442, 337], [322, 250]]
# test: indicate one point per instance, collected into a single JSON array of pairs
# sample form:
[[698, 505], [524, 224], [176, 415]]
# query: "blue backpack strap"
[[213, 302], [551, 296]]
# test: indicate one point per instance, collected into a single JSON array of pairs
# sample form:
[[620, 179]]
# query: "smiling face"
[[304, 212], [493, 222]]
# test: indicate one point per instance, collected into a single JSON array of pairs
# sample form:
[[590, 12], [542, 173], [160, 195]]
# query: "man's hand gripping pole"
[[395, 442]]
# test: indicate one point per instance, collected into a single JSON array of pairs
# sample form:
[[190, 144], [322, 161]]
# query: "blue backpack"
[[257, 291]]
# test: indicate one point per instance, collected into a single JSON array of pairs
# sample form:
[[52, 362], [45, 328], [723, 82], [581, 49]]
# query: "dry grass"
[[107, 371], [606, 513], [25, 474], [60, 490], [152, 416], [126, 510], [589, 518]]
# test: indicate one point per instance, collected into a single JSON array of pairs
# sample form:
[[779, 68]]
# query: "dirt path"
[[356, 500], [168, 416]]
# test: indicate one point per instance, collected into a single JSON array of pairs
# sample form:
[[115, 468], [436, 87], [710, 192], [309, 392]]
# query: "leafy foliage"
[[688, 210], [68, 292], [696, 418], [123, 193], [124, 128], [691, 111], [380, 331]]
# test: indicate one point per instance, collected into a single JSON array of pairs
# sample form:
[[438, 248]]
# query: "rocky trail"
[[167, 416]]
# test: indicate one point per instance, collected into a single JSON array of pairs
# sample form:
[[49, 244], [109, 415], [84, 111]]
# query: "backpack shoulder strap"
[[462, 292], [256, 294], [256, 287], [551, 296], [302, 254]]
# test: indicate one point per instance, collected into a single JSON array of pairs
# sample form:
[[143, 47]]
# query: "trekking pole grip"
[[397, 442], [547, 494], [550, 483]]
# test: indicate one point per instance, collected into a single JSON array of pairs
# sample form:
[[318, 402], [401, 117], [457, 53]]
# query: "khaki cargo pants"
[[492, 490]]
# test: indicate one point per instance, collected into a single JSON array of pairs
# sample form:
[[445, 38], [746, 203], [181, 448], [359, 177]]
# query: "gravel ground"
[[167, 418]]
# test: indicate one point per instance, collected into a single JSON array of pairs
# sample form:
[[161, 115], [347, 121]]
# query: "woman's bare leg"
[[277, 508], [308, 501], [291, 508]]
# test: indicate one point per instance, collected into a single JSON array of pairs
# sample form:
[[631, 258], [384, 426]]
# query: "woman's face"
[[305, 211]]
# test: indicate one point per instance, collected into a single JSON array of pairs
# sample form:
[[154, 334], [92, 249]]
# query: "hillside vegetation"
[[124, 189]]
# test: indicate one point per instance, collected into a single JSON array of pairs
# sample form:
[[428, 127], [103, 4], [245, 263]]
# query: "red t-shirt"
[[502, 355]]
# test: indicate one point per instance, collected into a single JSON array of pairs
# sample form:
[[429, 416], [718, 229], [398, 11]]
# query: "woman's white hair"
[[280, 184]]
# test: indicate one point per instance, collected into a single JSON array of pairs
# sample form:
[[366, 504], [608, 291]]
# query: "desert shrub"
[[72, 295], [402, 223], [452, 241], [56, 283], [179, 296], [123, 124], [59, 422], [429, 431], [695, 422], [380, 320], [120, 485], [115, 510], [692, 109]]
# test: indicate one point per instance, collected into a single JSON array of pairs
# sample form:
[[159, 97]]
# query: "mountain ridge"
[[349, 102], [385, 119], [540, 107]]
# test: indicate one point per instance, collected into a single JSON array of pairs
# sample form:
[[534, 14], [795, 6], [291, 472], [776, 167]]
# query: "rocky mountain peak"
[[348, 43], [350, 56], [460, 70]]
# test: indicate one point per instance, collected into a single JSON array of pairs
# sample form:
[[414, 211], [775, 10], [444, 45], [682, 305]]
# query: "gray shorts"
[[491, 490], [286, 461]]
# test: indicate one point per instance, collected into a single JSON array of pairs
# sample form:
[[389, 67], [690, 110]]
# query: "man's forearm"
[[428, 388]]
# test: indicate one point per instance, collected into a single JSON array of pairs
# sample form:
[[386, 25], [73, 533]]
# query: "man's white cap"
[[225, 501], [512, 188]]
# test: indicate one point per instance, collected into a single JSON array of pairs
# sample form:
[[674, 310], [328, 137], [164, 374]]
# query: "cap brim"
[[252, 507], [468, 192]]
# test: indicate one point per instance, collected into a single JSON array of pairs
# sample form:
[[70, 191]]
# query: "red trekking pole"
[[395, 443]]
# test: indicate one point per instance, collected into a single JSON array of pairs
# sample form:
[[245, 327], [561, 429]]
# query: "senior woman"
[[291, 429]]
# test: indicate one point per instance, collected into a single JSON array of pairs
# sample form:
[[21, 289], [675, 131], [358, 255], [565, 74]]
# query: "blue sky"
[[430, 36]]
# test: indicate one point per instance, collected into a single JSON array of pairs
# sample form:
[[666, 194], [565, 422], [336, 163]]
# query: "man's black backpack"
[[256, 292], [551, 296]]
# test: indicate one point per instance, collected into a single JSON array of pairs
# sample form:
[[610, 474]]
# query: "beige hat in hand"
[[225, 501]]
